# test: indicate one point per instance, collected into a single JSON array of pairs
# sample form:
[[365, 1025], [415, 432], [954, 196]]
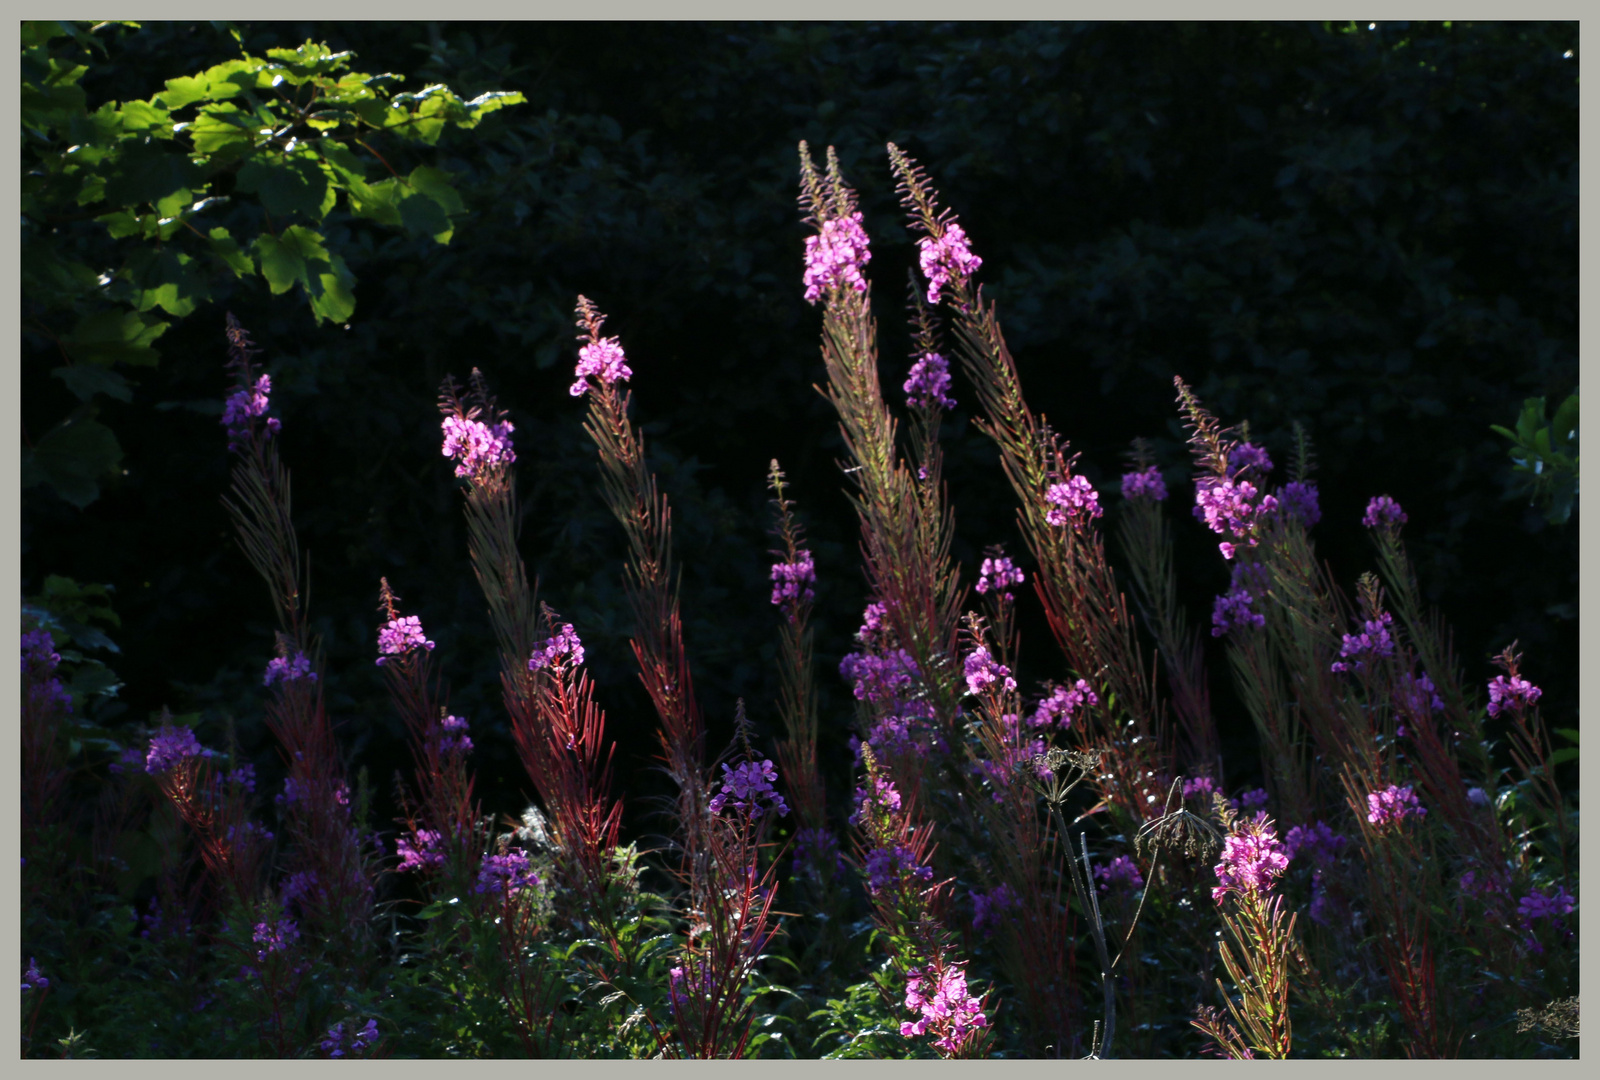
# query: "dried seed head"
[[1179, 832]]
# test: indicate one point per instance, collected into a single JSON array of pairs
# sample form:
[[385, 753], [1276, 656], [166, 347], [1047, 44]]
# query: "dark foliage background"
[[1373, 232]]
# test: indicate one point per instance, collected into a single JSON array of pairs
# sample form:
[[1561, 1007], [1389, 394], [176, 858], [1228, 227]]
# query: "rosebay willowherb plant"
[[1050, 852]]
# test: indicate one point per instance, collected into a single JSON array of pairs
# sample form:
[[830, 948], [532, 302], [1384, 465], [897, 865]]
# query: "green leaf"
[[284, 257], [435, 184], [115, 336], [184, 90], [425, 217], [72, 457], [1568, 733], [167, 278], [143, 116], [380, 201], [293, 186], [223, 131], [226, 248], [87, 380], [334, 298]]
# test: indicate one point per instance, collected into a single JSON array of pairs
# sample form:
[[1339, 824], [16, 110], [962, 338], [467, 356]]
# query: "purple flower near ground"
[[564, 644], [604, 360], [505, 874], [31, 979], [988, 909], [835, 256], [275, 935], [1373, 641], [880, 679], [1062, 703], [999, 574], [1298, 499], [1515, 693], [983, 671], [748, 788], [1122, 873], [1538, 905], [242, 408], [791, 582], [1074, 501], [420, 851], [476, 447], [928, 384], [883, 794], [1248, 456], [39, 660], [884, 867], [1144, 484], [1418, 694], [171, 746], [947, 258], [950, 1011], [1383, 513], [288, 669], [401, 635], [1393, 805], [1252, 858], [1232, 611], [337, 1043], [452, 735]]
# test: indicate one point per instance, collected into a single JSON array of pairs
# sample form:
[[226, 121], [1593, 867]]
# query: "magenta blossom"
[[1374, 641], [288, 669], [420, 851], [748, 787], [944, 1006], [564, 644], [604, 360], [171, 746], [1384, 513], [1393, 805], [1515, 693], [947, 258], [1298, 499], [401, 636], [929, 383], [477, 447], [1076, 501], [242, 408], [1252, 859], [835, 256], [1122, 874], [791, 582], [505, 875], [983, 671], [1248, 456], [999, 574], [883, 794], [1144, 484], [1063, 703]]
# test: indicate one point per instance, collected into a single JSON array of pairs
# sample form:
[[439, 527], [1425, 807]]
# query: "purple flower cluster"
[[886, 865], [1298, 499], [950, 1012], [682, 985], [1063, 703], [1144, 484], [1515, 693], [1074, 501], [999, 574], [337, 1044], [835, 256], [817, 855], [1248, 456], [275, 936], [1252, 859], [1393, 805], [791, 582], [873, 623], [39, 660], [1017, 753], [748, 788], [400, 636], [1317, 842], [476, 447], [1230, 507], [170, 747], [1122, 874], [452, 735], [1199, 787], [1538, 905], [419, 851], [242, 408], [1383, 513], [929, 383], [1232, 611], [602, 359], [1418, 695], [947, 258], [287, 669], [880, 679], [1373, 641], [244, 776], [883, 793], [505, 875], [1251, 801], [988, 909], [564, 643], [983, 671], [31, 979]]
